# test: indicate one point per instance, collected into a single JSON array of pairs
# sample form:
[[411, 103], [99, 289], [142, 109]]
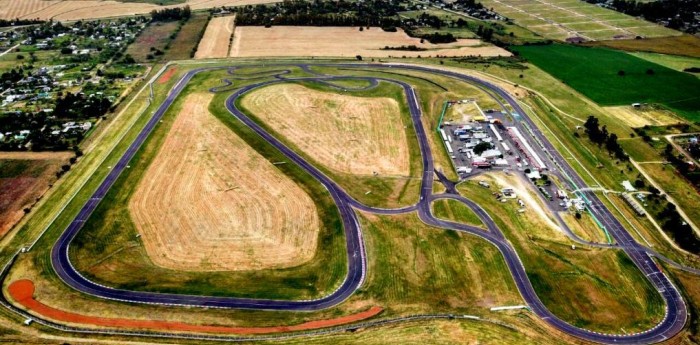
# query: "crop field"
[[354, 135], [187, 38], [196, 209], [22, 181], [562, 19], [216, 40], [685, 45], [89, 9], [615, 78], [155, 36], [375, 165], [254, 41], [110, 250]]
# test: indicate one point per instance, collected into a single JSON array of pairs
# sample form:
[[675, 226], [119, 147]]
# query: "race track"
[[676, 312]]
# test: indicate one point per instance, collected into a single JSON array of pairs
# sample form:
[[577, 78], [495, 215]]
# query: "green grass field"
[[456, 211], [595, 73], [597, 289], [678, 63]]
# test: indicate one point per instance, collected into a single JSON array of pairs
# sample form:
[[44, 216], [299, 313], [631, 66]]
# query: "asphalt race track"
[[676, 312]]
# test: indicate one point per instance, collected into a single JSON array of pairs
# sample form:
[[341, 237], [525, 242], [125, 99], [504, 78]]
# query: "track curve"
[[676, 311]]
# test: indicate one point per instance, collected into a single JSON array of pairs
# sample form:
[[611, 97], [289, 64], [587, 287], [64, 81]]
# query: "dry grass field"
[[210, 202], [10, 9], [348, 134], [156, 35], [561, 19], [685, 45], [640, 117], [87, 9], [252, 41], [216, 39]]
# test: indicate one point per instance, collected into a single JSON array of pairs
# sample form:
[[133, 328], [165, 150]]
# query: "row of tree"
[[171, 14], [601, 136], [18, 22]]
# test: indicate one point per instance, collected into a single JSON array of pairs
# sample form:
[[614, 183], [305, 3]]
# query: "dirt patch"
[[640, 117], [525, 192], [167, 75], [216, 39], [251, 41], [356, 135], [22, 183], [22, 291], [208, 201]]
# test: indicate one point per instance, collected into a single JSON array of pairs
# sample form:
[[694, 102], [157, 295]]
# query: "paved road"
[[676, 313]]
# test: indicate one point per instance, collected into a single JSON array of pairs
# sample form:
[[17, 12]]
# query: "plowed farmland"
[[348, 134], [215, 42], [249, 41], [85, 9], [23, 179], [209, 200]]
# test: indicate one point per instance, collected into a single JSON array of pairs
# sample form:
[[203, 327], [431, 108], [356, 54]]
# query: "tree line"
[[171, 14], [600, 135]]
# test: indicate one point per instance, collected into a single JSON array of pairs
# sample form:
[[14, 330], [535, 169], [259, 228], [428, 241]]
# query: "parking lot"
[[485, 139]]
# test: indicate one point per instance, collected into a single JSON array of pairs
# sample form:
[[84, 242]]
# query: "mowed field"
[[348, 134], [216, 40], [23, 178], [595, 72], [685, 45], [253, 41], [561, 19], [86, 9], [209, 201]]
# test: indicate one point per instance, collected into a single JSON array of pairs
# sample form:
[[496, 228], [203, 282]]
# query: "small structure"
[[534, 175], [464, 170], [500, 162], [628, 186], [491, 153], [634, 204]]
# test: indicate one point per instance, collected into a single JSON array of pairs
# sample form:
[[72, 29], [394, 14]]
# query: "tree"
[[358, 57], [621, 73], [481, 147], [650, 71]]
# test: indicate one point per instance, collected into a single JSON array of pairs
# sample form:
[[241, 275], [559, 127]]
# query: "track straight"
[[676, 312]]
